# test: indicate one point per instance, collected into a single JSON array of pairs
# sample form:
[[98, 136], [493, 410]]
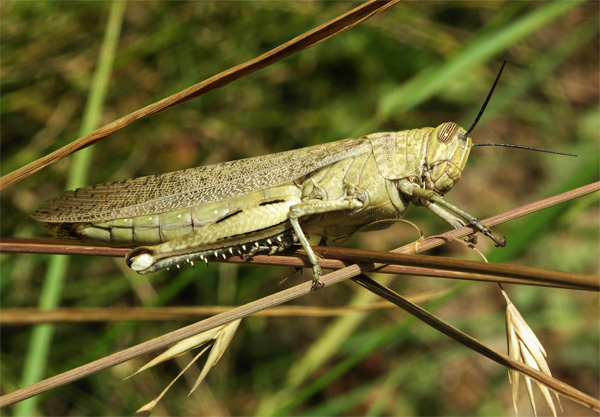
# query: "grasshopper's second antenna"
[[527, 148], [485, 103], [487, 100]]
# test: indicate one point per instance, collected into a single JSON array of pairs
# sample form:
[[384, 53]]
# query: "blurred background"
[[417, 64]]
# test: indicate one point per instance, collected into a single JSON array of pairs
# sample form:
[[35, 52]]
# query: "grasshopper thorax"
[[447, 152]]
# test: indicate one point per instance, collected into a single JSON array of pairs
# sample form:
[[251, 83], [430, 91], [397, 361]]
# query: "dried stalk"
[[30, 316], [472, 343], [298, 44], [393, 263], [202, 88], [266, 303]]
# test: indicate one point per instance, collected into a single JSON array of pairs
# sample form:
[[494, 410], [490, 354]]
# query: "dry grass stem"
[[472, 343], [526, 355], [398, 263], [29, 316], [162, 341], [294, 46], [279, 298], [394, 262]]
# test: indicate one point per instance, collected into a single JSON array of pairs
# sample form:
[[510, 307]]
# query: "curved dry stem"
[[280, 298], [472, 343], [298, 44], [397, 261]]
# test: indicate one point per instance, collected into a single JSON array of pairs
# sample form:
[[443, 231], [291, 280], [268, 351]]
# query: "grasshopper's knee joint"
[[294, 213], [140, 259]]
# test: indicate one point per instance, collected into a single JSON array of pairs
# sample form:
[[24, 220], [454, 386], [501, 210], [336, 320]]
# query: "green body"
[[267, 203]]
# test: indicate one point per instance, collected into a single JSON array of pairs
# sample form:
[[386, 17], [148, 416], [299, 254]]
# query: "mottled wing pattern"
[[181, 189]]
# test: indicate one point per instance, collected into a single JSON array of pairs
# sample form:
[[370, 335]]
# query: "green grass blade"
[[429, 82], [41, 336]]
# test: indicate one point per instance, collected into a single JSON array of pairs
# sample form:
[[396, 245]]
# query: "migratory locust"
[[266, 204]]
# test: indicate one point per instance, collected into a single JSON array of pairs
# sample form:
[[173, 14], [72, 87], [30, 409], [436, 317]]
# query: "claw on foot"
[[317, 283], [500, 243], [477, 225]]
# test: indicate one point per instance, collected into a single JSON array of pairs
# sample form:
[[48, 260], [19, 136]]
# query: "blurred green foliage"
[[417, 64]]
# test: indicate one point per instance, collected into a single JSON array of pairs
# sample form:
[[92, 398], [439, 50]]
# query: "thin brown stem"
[[472, 343], [298, 44], [29, 316], [398, 261], [268, 302]]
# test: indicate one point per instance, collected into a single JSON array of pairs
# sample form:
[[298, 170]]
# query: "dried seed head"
[[524, 346]]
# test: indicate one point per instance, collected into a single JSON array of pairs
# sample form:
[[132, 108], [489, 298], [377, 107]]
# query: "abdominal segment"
[[164, 227]]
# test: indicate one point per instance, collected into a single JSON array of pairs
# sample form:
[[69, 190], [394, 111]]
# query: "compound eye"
[[447, 132]]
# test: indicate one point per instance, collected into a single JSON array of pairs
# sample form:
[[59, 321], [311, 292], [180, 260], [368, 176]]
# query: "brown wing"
[[181, 189]]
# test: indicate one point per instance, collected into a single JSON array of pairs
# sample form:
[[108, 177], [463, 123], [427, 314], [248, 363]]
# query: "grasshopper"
[[267, 203]]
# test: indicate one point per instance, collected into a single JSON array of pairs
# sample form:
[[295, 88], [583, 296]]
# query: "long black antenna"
[[528, 148], [487, 100], [506, 145]]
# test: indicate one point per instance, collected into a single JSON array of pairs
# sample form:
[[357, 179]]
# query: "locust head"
[[447, 152]]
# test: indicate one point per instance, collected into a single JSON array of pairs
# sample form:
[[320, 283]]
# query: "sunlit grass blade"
[[42, 335]]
